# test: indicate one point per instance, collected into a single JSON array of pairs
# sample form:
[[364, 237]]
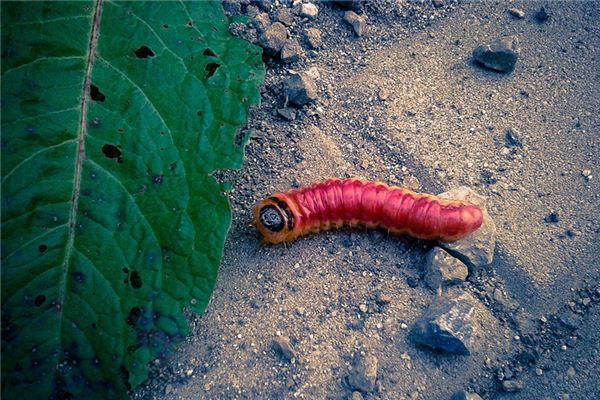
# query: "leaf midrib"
[[79, 158]]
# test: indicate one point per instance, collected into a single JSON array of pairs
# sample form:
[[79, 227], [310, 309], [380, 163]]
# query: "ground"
[[405, 101]]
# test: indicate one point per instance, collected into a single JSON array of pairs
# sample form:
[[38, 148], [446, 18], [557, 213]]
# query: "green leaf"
[[114, 115]]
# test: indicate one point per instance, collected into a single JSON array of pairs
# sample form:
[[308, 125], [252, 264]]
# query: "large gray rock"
[[500, 55], [300, 89], [273, 39], [477, 249], [442, 269], [448, 325], [364, 373]]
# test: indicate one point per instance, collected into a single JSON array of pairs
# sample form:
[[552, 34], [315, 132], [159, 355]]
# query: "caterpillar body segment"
[[284, 216]]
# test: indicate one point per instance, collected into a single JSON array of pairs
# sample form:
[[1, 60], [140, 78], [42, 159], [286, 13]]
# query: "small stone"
[[552, 218], [291, 51], [542, 15], [383, 94], [477, 249], [357, 396], [364, 164], [265, 5], [442, 269], [566, 396], [513, 385], [282, 345], [363, 308], [501, 55], [383, 298], [448, 325], [313, 37], [308, 10], [411, 182], [261, 22], [300, 89], [438, 3], [357, 22], [355, 5], [586, 173], [571, 372], [285, 16], [571, 320], [364, 373], [168, 388], [516, 12], [539, 372], [463, 395], [273, 39], [287, 113], [511, 139]]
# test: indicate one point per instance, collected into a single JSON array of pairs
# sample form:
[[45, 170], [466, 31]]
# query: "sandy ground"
[[443, 121]]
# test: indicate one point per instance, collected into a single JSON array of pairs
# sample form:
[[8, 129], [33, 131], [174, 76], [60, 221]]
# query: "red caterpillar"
[[335, 202]]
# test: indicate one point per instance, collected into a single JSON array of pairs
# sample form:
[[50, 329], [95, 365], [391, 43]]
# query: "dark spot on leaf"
[[162, 149], [136, 279], [211, 68], [198, 113], [42, 248], [120, 130], [166, 26], [144, 52], [214, 28], [87, 192], [172, 166], [96, 123], [126, 281], [96, 94], [134, 316], [162, 133], [39, 300], [125, 269], [209, 52], [111, 151], [78, 277], [93, 325], [157, 180]]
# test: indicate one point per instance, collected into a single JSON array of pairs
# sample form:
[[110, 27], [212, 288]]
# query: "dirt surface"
[[405, 101]]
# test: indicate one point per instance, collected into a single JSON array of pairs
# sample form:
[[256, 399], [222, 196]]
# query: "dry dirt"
[[443, 121]]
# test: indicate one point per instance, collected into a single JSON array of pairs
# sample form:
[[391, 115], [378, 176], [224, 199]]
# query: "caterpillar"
[[284, 216]]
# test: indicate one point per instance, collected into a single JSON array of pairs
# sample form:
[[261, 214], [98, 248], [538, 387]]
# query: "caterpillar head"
[[274, 220]]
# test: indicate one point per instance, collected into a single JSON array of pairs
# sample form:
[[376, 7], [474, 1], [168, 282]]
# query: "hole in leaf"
[[96, 94], [136, 279], [166, 26], [211, 68], [144, 52], [134, 315], [93, 325], [190, 24], [42, 248], [172, 166], [39, 300], [157, 180], [209, 52], [124, 373], [125, 269], [111, 151]]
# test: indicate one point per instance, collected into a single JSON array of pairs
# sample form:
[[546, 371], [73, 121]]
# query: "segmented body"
[[337, 202]]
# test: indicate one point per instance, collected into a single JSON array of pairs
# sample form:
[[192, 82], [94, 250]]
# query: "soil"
[[405, 104]]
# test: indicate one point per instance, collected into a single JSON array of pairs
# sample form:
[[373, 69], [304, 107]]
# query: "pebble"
[[308, 10], [357, 22], [586, 173], [477, 249], [285, 16], [291, 51], [383, 298], [539, 372], [500, 55], [448, 325], [383, 94], [463, 395], [282, 345], [287, 113], [364, 164], [300, 89], [516, 12], [442, 269], [313, 37], [438, 3], [363, 308], [364, 373], [513, 385], [355, 5], [571, 372], [273, 39], [357, 396], [411, 182], [261, 22]]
